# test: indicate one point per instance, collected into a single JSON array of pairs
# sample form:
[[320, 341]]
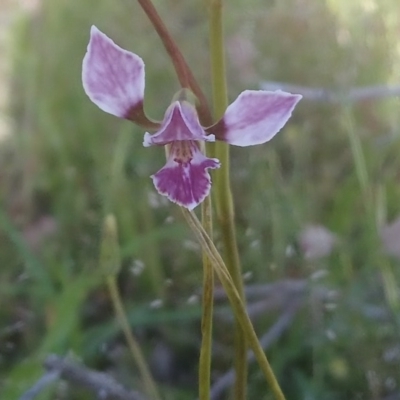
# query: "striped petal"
[[184, 179], [255, 117], [112, 77]]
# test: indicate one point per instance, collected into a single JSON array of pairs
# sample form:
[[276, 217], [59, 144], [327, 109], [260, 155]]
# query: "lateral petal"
[[112, 77], [184, 179], [255, 117]]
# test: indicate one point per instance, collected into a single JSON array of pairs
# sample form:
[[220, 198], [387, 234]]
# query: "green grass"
[[334, 165]]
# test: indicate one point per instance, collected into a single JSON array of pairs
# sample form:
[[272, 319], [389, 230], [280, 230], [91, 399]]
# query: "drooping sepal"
[[113, 78], [184, 179], [180, 123], [255, 117]]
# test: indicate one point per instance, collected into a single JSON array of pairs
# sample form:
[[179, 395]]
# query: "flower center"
[[182, 151]]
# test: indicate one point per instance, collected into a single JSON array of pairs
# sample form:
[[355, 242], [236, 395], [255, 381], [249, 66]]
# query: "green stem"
[[110, 263], [187, 80], [235, 301], [207, 309], [222, 190], [150, 386], [389, 280], [358, 157]]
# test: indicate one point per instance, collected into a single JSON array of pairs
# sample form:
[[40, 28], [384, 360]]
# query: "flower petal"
[[184, 179], [112, 77], [390, 234], [316, 242], [255, 117], [180, 123]]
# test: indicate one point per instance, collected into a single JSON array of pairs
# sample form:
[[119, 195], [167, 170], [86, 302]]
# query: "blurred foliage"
[[68, 164]]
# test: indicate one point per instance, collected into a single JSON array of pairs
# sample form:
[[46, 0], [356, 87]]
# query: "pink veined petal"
[[112, 77], [184, 179], [255, 117], [180, 123]]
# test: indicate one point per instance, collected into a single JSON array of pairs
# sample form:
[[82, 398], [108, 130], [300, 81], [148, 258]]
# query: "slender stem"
[[110, 263], [389, 279], [187, 80], [235, 301], [358, 157], [222, 191], [217, 57], [150, 386], [207, 310], [183, 72]]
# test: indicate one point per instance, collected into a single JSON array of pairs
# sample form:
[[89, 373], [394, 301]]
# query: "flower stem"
[[183, 72], [207, 309], [235, 301], [187, 80], [133, 345], [110, 264], [222, 191]]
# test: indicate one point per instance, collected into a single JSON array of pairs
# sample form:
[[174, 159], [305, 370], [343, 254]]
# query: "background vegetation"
[[334, 165]]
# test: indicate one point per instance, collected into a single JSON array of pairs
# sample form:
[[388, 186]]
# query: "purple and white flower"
[[113, 78]]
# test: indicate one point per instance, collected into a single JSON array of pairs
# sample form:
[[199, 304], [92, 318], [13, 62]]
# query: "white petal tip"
[[210, 138], [147, 140]]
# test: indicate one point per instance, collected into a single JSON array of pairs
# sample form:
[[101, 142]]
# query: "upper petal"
[[255, 117], [180, 123], [112, 77], [184, 179]]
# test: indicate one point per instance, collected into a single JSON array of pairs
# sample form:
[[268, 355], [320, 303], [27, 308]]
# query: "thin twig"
[[97, 382], [280, 326], [275, 295], [336, 96], [257, 291], [44, 381], [393, 396]]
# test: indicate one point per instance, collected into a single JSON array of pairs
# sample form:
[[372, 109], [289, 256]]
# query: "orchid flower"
[[113, 78]]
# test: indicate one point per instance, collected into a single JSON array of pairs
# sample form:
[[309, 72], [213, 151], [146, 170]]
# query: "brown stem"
[[185, 75]]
